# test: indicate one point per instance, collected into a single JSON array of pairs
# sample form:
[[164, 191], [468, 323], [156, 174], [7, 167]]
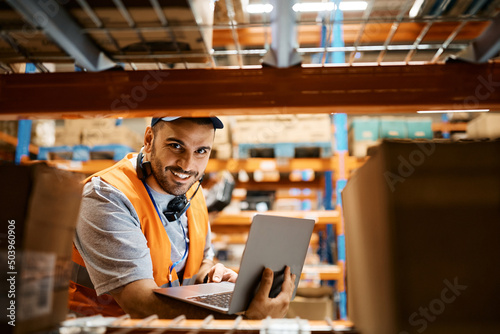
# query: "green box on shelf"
[[419, 127], [365, 128], [393, 127]]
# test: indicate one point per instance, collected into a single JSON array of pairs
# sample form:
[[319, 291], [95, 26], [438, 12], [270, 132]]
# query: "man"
[[131, 238]]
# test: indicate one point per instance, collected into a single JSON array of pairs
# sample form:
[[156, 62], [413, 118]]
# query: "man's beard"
[[160, 175]]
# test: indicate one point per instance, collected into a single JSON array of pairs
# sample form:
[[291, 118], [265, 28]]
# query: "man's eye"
[[202, 151], [175, 145]]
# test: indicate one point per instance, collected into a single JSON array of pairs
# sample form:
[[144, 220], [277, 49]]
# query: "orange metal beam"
[[373, 33], [13, 141], [200, 92]]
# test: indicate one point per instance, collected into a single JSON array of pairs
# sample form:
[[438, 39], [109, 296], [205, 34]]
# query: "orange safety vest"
[[82, 296]]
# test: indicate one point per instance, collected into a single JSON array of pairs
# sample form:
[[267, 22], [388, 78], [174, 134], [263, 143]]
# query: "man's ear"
[[148, 140]]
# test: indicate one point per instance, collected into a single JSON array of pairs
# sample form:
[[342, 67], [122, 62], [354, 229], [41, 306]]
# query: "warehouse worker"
[[144, 224]]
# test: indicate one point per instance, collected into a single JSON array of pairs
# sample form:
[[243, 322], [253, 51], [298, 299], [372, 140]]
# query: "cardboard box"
[[312, 304], [422, 227], [117, 135], [67, 137], [223, 136], [78, 125], [484, 126], [223, 151], [40, 207], [301, 128]]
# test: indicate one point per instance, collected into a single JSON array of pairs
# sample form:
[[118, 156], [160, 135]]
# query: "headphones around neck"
[[178, 205]]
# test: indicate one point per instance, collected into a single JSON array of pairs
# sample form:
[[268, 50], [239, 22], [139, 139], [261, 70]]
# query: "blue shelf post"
[[24, 129], [340, 122]]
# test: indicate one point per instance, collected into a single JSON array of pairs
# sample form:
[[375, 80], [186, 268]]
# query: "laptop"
[[273, 242]]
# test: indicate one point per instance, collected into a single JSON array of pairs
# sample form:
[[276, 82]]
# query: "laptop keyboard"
[[217, 299]]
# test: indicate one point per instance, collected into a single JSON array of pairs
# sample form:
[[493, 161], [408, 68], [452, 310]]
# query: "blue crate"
[[393, 127], [365, 128], [419, 128]]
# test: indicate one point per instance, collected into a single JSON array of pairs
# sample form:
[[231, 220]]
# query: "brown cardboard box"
[[40, 206], [117, 135], [301, 128], [484, 126], [422, 228], [312, 304]]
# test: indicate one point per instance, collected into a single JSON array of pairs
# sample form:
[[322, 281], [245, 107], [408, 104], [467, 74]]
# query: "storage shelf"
[[13, 141], [355, 90], [282, 164], [86, 167], [210, 325], [232, 165], [240, 222], [446, 127], [324, 272]]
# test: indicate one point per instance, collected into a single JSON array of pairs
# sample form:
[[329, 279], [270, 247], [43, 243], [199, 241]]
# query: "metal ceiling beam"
[[201, 92], [484, 47], [63, 30], [284, 42]]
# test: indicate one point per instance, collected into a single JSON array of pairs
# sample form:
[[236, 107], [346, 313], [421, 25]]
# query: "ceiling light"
[[329, 6], [416, 8], [313, 7], [259, 8], [448, 111], [310, 7], [353, 5]]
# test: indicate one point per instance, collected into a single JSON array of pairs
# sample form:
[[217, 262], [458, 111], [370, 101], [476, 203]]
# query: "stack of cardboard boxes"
[[223, 147], [94, 132], [289, 131], [484, 126]]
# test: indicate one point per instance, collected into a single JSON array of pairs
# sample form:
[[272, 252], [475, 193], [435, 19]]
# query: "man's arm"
[[139, 301]]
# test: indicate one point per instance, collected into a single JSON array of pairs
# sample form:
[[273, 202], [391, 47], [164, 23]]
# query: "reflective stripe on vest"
[[123, 176]]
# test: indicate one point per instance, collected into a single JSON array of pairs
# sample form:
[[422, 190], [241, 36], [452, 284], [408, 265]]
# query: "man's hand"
[[262, 306], [219, 273]]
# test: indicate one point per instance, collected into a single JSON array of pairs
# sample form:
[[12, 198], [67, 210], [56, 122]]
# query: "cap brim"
[[217, 123]]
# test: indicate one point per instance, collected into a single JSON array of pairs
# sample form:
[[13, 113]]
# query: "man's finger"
[[265, 283], [288, 284], [230, 275], [218, 272]]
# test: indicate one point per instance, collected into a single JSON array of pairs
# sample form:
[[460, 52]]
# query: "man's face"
[[179, 154]]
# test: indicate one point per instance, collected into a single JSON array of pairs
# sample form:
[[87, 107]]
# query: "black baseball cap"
[[215, 121]]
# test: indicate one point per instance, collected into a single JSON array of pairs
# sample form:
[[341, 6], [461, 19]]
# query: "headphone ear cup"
[[177, 204], [138, 168], [143, 169]]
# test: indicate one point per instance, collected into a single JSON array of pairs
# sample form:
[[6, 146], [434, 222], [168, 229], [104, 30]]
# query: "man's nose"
[[186, 161]]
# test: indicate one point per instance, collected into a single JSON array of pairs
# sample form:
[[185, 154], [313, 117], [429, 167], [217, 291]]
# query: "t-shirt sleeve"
[[109, 238]]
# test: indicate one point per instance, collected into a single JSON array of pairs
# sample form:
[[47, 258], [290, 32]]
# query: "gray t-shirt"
[[110, 240]]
